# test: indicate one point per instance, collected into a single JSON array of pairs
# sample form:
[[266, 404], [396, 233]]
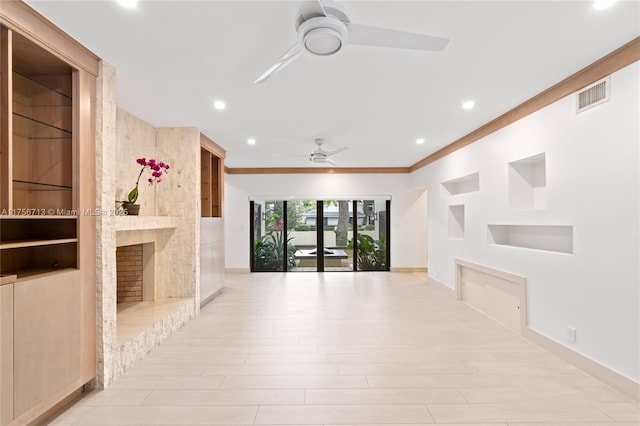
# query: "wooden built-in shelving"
[[35, 243], [211, 177], [40, 158], [47, 247]]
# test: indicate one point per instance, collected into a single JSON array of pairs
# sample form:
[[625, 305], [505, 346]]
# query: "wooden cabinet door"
[[47, 337], [6, 354]]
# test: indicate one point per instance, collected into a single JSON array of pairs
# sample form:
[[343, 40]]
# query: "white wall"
[[592, 162], [408, 242]]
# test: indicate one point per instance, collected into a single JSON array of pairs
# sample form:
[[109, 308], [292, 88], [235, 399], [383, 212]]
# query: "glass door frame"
[[319, 236], [320, 265]]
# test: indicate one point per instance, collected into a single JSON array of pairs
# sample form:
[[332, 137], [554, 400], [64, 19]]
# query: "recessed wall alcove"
[[553, 238], [462, 185], [528, 183], [456, 222]]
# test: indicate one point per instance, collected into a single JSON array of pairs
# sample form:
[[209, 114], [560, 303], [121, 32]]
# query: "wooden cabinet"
[[46, 338], [38, 232], [211, 225], [211, 177], [42, 172], [47, 225], [6, 348]]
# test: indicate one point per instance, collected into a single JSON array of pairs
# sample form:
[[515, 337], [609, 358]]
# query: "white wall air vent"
[[593, 95]]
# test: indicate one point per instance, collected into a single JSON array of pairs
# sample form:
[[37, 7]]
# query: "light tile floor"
[[349, 349]]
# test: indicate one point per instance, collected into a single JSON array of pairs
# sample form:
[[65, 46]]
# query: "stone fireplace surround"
[[169, 218], [155, 316]]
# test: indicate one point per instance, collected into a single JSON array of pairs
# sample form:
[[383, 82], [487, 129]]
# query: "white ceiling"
[[173, 58]]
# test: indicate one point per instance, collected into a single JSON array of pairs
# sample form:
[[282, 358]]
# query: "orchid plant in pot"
[[157, 169]]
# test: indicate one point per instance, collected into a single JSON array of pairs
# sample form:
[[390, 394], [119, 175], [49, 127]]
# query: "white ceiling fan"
[[323, 28], [320, 156]]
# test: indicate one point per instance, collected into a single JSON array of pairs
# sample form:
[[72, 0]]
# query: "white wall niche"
[[462, 185], [554, 238], [456, 222], [528, 183]]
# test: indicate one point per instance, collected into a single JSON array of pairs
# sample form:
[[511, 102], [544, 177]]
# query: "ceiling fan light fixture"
[[317, 158], [322, 35], [322, 41]]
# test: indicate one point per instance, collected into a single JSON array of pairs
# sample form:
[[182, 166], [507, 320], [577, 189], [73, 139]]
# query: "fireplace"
[[129, 273], [135, 273]]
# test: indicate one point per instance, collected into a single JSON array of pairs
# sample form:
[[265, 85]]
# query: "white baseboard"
[[400, 269], [237, 270], [452, 291], [601, 372], [211, 297]]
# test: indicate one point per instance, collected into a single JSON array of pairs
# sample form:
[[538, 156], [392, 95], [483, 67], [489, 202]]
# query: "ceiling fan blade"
[[382, 37], [291, 54], [311, 9], [337, 150], [330, 161]]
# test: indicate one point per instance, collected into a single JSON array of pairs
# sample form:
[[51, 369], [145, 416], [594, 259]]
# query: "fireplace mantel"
[[142, 223]]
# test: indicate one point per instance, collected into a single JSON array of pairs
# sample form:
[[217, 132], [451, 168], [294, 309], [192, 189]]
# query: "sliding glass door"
[[302, 229], [337, 227], [319, 235], [372, 236], [269, 246]]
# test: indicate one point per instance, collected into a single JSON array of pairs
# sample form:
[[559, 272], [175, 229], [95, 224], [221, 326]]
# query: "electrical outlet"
[[571, 334]]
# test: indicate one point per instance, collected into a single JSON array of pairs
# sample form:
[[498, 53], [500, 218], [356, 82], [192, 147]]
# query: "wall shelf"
[[553, 238], [38, 257], [528, 183], [62, 98], [456, 222], [462, 185], [40, 186], [34, 243], [23, 273], [27, 127], [23, 228], [211, 176], [36, 216]]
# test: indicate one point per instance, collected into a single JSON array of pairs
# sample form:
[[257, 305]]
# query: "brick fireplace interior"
[[129, 270], [135, 273]]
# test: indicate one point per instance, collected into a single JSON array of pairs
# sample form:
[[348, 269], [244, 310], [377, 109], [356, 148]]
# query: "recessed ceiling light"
[[219, 105], [251, 141], [603, 4], [420, 141], [468, 104], [129, 4]]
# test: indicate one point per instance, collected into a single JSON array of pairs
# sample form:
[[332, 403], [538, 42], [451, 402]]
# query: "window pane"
[[338, 231], [269, 246], [301, 228], [372, 236]]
